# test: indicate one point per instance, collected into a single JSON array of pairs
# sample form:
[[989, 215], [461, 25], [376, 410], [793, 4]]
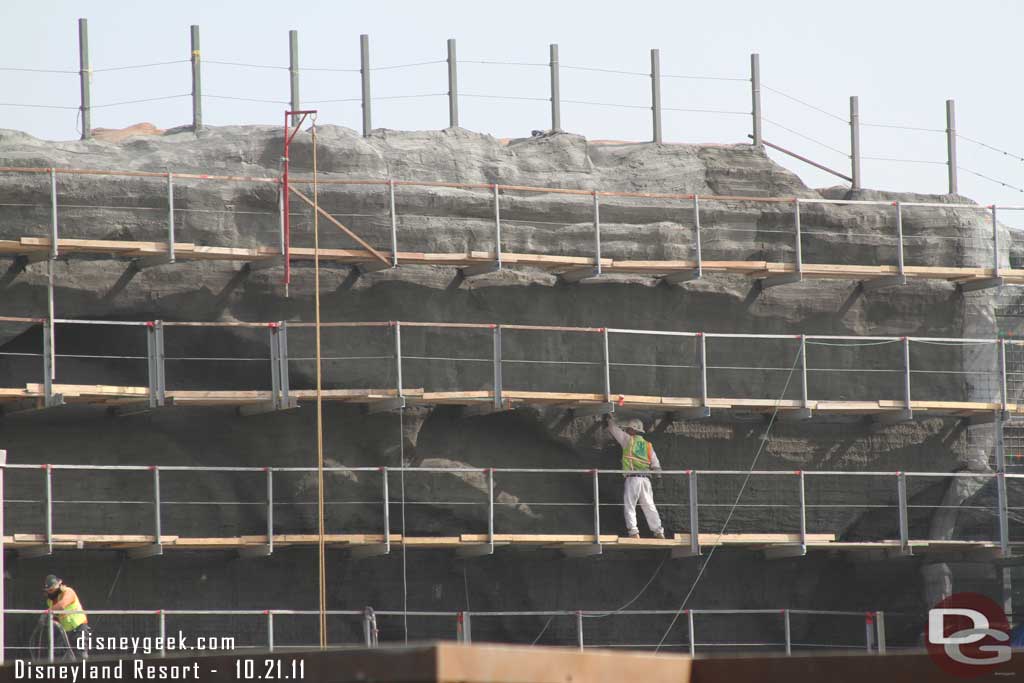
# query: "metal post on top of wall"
[[84, 77], [293, 72], [364, 72], [656, 95], [453, 86], [556, 93], [755, 96], [197, 82], [951, 145], [855, 142]]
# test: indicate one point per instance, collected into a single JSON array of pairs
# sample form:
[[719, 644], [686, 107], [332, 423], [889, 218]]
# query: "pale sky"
[[903, 59]]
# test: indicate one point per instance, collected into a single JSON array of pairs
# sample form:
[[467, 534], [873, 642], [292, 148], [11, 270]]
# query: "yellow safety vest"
[[69, 622], [636, 455]]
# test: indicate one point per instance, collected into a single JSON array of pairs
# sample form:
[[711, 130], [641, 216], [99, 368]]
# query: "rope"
[[898, 127], [148, 99], [405, 585], [38, 71], [808, 138], [732, 510], [319, 406], [251, 66], [406, 66], [992, 180], [139, 66], [605, 71], [499, 63], [826, 112], [905, 161], [990, 147], [244, 99], [705, 78]]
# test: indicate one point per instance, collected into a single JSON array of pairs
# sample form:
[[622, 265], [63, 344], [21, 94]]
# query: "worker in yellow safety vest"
[[638, 461], [74, 622]]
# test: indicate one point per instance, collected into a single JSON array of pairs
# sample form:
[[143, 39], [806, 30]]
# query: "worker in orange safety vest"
[[638, 462]]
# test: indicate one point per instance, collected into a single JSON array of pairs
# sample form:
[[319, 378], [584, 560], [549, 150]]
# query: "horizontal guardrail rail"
[[842, 629]]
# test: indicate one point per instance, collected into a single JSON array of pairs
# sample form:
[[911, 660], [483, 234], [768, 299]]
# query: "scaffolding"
[[688, 374], [512, 212], [846, 630], [512, 508]]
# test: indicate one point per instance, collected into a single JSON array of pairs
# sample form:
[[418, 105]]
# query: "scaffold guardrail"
[[788, 512], [488, 366], [851, 630]]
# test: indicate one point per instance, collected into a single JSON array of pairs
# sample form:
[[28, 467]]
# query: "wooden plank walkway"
[[107, 395], [750, 541], [555, 263]]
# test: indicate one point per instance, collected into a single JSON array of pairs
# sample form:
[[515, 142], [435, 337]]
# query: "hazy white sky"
[[903, 59]]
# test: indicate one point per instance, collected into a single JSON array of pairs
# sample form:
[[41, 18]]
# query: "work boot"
[[634, 534], [659, 534]]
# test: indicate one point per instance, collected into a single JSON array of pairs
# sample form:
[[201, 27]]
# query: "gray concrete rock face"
[[445, 219]]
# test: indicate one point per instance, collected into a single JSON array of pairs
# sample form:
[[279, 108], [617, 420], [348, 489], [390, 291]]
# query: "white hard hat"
[[636, 425]]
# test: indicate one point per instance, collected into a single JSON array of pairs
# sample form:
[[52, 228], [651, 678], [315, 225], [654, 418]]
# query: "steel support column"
[[364, 72], [85, 78], [656, 95], [798, 276], [951, 167], [901, 492], [556, 91], [293, 76], [855, 142], [755, 96], [697, 272], [453, 86], [197, 81]]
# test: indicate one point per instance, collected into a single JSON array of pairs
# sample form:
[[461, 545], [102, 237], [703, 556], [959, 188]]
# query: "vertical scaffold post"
[[275, 368], [161, 625], [48, 397], [155, 356], [995, 244], [463, 627], [280, 221], [579, 629], [48, 509], [394, 222], [387, 510], [282, 359], [869, 631], [804, 400], [293, 73], [606, 366], [597, 234], [398, 360], [690, 629], [84, 77], [656, 95], [170, 217], [702, 362], [880, 631], [907, 400], [497, 226], [803, 512], [1001, 360], [799, 239], [699, 272], [1001, 494], [556, 90], [855, 142], [787, 631], [49, 637], [364, 71], [197, 82], [270, 511], [901, 492], [490, 511], [496, 343], [755, 96], [899, 241], [51, 266], [951, 145], [453, 86], [694, 516], [270, 630], [597, 507], [157, 528]]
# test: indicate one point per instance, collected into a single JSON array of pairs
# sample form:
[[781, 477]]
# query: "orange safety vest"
[[636, 455]]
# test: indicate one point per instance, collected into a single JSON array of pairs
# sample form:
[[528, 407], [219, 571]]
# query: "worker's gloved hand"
[[657, 474], [606, 419]]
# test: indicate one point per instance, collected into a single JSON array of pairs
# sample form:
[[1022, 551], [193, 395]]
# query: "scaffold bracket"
[[44, 550], [797, 415], [878, 283], [785, 551], [985, 283], [776, 280], [896, 417], [578, 274], [593, 409], [386, 406], [151, 261], [268, 407], [374, 550], [152, 550], [30, 405], [682, 276], [256, 551], [480, 269], [582, 550]]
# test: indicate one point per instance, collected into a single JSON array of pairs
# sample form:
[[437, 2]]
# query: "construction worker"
[[75, 623], [638, 461]]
